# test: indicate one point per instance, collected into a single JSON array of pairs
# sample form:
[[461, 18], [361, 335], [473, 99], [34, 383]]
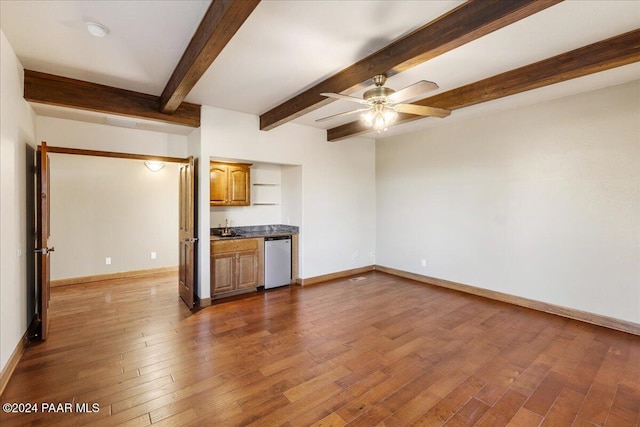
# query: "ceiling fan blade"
[[421, 110], [345, 97], [342, 114], [412, 91]]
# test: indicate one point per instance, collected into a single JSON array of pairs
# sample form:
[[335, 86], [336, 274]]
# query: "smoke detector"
[[97, 29]]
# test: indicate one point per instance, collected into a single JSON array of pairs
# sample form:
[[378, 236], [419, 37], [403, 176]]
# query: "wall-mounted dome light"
[[154, 166], [97, 29]]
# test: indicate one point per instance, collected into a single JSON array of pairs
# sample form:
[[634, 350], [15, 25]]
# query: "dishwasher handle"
[[267, 239]]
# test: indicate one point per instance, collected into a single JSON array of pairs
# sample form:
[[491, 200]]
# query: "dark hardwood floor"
[[378, 351]]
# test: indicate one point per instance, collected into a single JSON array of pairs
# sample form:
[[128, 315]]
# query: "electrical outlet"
[[372, 254], [19, 252], [107, 261], [424, 262], [355, 255], [154, 255]]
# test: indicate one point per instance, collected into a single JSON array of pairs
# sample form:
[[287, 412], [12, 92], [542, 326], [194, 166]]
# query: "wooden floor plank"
[[380, 351], [469, 413], [544, 396], [328, 406], [564, 409], [331, 420], [450, 404], [503, 411]]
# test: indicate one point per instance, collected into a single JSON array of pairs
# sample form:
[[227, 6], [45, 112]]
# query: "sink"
[[229, 233]]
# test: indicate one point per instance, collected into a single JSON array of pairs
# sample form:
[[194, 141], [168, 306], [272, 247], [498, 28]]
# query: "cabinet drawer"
[[234, 245]]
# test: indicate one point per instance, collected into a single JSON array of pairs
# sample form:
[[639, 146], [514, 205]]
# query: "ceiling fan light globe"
[[390, 115], [368, 118], [379, 122]]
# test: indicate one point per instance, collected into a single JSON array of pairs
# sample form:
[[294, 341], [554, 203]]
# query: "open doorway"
[[117, 214], [111, 217]]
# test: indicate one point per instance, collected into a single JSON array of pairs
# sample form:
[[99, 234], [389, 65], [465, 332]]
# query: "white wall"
[[291, 195], [91, 136], [17, 133], [542, 202], [108, 207], [338, 186]]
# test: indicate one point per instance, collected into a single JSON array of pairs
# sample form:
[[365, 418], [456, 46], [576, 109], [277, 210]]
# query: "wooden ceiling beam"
[[468, 22], [614, 52], [62, 91], [218, 26], [220, 23]]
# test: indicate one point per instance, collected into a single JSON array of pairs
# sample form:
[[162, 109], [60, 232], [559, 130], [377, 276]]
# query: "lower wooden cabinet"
[[236, 265]]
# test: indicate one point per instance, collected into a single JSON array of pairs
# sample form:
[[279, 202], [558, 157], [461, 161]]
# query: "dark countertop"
[[253, 231]]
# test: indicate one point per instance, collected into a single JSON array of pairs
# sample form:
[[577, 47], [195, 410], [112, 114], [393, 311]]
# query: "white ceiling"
[[285, 47]]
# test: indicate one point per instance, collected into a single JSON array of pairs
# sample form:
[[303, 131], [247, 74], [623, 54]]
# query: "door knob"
[[44, 251]]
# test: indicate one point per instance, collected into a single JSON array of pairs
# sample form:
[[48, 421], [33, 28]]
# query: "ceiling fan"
[[384, 104]]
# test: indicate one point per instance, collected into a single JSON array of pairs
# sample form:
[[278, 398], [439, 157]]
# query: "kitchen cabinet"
[[236, 265], [229, 184]]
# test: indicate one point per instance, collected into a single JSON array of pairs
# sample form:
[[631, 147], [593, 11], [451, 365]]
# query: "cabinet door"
[[219, 182], [222, 273], [239, 193], [247, 269]]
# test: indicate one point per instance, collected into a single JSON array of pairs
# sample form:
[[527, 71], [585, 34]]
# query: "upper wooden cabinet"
[[229, 184]]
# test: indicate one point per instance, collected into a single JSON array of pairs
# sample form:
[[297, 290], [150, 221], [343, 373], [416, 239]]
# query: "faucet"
[[226, 226]]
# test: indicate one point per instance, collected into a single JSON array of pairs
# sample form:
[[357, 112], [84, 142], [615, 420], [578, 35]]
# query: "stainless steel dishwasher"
[[277, 261]]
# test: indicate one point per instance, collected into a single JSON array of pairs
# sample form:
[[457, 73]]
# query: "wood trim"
[[228, 295], [219, 24], [295, 258], [7, 371], [331, 276], [113, 154], [62, 91], [571, 313], [229, 162], [260, 261], [613, 52], [204, 302], [16, 355], [466, 23], [113, 276]]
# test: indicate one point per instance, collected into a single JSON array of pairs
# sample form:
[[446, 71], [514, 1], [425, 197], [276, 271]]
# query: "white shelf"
[[267, 191]]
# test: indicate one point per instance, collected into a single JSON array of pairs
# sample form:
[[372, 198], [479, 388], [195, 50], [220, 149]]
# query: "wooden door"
[[187, 233], [222, 272], [218, 189], [247, 269], [43, 278], [239, 192]]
